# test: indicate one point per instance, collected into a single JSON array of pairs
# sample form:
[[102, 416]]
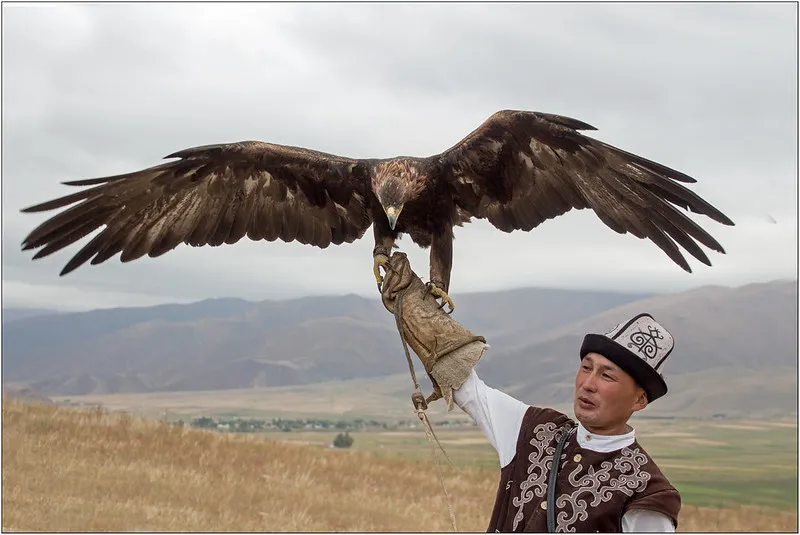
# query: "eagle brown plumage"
[[516, 170]]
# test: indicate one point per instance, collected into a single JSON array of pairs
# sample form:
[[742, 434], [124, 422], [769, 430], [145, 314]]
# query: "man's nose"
[[590, 383]]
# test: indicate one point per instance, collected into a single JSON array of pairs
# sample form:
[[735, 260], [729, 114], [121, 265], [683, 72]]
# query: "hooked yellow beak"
[[392, 214]]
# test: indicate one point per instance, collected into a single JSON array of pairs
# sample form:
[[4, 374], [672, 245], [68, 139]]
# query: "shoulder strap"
[[551, 485]]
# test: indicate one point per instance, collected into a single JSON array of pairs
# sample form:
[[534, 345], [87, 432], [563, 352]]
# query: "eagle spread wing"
[[520, 168], [211, 195]]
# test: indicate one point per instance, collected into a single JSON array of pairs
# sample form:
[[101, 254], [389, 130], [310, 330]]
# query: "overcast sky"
[[94, 90]]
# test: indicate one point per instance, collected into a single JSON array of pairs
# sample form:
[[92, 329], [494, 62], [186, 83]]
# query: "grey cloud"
[[652, 67], [93, 90]]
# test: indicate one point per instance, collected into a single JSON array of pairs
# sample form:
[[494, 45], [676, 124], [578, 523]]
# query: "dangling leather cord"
[[420, 404], [551, 484]]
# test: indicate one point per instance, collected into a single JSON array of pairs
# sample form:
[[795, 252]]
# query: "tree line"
[[254, 425]]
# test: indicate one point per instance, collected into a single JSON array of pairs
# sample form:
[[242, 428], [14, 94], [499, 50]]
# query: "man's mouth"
[[585, 402]]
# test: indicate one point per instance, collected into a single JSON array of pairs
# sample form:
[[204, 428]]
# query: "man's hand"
[[446, 349]]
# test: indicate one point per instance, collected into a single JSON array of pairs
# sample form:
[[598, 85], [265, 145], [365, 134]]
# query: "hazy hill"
[[736, 348], [235, 344], [12, 314], [753, 327]]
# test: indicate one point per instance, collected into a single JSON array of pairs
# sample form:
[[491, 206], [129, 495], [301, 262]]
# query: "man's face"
[[605, 396]]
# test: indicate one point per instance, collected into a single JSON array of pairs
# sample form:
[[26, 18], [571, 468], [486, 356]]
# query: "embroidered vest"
[[594, 489]]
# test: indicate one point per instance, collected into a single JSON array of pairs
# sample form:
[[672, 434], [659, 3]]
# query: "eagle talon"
[[378, 261], [438, 292]]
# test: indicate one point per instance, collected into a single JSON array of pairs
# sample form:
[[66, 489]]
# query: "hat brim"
[[650, 380]]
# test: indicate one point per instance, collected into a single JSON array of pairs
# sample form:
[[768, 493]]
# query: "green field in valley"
[[714, 464], [718, 463]]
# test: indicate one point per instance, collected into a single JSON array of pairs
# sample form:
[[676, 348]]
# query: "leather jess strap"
[[551, 484]]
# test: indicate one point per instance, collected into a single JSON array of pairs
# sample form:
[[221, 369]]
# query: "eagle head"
[[395, 183]]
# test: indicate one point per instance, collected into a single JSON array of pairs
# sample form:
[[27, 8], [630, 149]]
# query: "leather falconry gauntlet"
[[447, 350]]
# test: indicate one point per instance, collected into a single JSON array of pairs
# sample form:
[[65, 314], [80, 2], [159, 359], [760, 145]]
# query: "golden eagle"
[[517, 169]]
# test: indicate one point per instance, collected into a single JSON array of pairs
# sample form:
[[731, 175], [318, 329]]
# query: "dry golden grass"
[[71, 470], [92, 471], [743, 518]]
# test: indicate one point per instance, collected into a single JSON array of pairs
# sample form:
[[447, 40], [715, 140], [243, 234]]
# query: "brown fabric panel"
[[667, 501], [500, 510]]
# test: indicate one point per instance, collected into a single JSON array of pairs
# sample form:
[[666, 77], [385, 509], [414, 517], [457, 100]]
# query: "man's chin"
[[581, 414]]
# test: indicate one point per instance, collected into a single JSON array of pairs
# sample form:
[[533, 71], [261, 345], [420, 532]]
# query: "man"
[[605, 480]]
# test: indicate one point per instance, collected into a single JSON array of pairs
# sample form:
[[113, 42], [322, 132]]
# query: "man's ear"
[[641, 401]]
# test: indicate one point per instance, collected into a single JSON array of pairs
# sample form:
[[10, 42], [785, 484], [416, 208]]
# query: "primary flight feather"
[[516, 170]]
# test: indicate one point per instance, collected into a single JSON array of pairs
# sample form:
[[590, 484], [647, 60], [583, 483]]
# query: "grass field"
[[86, 470], [712, 462]]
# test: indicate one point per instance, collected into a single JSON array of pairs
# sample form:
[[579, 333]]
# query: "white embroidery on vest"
[[539, 469], [601, 486]]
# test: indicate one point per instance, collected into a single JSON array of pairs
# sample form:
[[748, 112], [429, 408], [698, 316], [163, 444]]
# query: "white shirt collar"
[[604, 443]]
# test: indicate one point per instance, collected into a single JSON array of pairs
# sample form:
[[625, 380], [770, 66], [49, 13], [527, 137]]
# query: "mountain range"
[[735, 353]]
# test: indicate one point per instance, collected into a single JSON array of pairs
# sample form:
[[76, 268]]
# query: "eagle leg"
[[441, 263], [437, 292]]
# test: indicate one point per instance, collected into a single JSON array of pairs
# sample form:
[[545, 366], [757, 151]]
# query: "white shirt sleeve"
[[643, 520], [496, 413]]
